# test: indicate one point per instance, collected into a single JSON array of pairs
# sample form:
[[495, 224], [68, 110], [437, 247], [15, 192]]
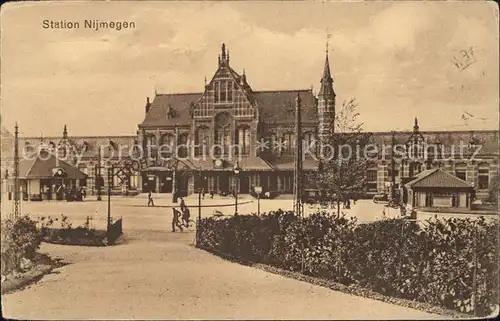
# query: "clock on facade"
[[218, 163]]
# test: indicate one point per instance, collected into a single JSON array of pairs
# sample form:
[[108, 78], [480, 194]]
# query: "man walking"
[[185, 216], [175, 219], [182, 205], [150, 199]]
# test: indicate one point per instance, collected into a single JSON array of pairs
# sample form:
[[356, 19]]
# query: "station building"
[[229, 124]]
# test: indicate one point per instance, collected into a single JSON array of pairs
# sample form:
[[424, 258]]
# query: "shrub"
[[20, 239], [447, 262]]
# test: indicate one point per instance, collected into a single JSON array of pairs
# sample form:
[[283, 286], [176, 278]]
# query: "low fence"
[[451, 263]]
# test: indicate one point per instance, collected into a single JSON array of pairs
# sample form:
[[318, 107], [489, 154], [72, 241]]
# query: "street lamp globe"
[[237, 169]]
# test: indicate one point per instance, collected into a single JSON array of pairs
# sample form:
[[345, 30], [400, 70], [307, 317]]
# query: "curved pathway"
[[156, 274]]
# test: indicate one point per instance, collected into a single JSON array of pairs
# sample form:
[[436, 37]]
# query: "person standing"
[[175, 219], [150, 199]]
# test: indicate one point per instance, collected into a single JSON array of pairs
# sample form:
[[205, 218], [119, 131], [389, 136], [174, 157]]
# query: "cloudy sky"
[[396, 58]]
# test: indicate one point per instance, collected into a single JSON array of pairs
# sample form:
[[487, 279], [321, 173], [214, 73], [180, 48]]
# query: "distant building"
[[434, 189], [257, 128]]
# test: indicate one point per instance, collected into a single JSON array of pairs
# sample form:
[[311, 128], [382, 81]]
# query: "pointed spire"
[[148, 104], [243, 77], [205, 80], [223, 51], [65, 132], [415, 125], [326, 87]]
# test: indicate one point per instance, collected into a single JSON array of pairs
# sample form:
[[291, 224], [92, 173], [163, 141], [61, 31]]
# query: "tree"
[[342, 159]]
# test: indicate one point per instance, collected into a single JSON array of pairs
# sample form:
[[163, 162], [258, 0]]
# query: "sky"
[[398, 59]]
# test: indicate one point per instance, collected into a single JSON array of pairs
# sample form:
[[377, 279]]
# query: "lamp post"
[[237, 171], [6, 184], [98, 176], [200, 189], [258, 190], [110, 182]]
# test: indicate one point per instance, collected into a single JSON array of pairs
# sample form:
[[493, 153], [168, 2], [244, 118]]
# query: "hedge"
[[452, 263], [19, 239]]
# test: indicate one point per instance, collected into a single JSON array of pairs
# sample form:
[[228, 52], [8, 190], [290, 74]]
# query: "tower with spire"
[[224, 56], [326, 103]]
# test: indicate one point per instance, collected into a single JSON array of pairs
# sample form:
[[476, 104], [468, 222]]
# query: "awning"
[[308, 164], [246, 163]]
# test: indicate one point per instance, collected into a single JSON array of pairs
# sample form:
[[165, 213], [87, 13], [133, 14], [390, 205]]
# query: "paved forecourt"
[[138, 216]]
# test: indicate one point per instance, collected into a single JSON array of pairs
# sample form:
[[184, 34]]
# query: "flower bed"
[[451, 263], [74, 236], [82, 235]]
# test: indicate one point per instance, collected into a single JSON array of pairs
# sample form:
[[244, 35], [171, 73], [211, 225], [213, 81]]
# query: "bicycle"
[[190, 226]]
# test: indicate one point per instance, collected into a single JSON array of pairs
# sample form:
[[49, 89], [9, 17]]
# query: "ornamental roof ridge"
[[180, 93], [283, 90]]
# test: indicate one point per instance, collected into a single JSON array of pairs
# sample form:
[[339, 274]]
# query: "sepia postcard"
[[274, 160]]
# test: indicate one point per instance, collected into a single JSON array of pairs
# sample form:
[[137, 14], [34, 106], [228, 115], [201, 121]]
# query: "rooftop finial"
[[65, 132], [223, 54], [327, 40], [205, 81], [415, 126]]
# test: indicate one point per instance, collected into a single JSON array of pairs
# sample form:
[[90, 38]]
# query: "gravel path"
[[157, 275]]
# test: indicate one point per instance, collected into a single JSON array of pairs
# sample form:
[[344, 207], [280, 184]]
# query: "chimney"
[[148, 105]]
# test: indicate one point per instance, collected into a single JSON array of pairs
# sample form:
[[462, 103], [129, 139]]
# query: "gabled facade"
[[230, 121]]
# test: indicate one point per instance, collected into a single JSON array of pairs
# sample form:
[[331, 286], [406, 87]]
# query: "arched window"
[[415, 168], [62, 151], [243, 139], [371, 177], [166, 147], [273, 140], [229, 91], [182, 144], [483, 176], [309, 140], [223, 91], [461, 171], [416, 147], [202, 140], [222, 132], [288, 143]]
